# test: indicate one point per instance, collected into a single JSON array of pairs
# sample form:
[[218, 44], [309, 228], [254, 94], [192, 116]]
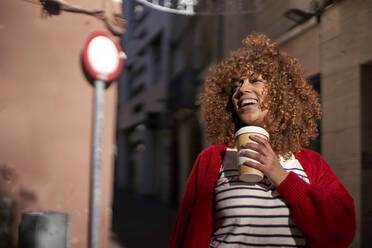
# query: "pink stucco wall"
[[46, 111]]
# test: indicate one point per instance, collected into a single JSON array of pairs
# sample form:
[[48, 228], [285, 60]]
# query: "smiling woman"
[[299, 202], [292, 104]]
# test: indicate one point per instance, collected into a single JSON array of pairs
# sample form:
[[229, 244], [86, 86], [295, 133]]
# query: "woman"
[[300, 202]]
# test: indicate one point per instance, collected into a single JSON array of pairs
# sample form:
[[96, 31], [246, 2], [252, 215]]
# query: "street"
[[140, 222]]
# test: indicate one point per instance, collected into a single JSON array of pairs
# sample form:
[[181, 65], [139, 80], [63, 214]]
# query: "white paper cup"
[[247, 173]]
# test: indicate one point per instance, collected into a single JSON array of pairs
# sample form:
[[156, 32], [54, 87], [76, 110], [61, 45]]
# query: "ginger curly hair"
[[292, 103]]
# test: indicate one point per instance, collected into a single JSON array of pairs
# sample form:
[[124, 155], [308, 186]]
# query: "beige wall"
[[345, 37], [337, 47], [46, 108], [235, 29], [305, 48]]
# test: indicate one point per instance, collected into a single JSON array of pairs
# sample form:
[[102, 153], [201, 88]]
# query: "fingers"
[[255, 165], [260, 148], [259, 140], [253, 155], [262, 145]]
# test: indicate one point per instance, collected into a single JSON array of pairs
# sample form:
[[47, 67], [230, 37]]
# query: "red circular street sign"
[[102, 56]]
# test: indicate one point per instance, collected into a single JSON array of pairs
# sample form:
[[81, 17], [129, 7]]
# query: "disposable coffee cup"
[[242, 136]]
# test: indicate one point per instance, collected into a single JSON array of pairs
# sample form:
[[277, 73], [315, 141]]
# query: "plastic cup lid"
[[252, 129]]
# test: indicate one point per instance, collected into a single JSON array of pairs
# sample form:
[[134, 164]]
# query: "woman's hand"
[[269, 162]]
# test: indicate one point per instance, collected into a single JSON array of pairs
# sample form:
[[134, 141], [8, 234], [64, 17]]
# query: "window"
[[156, 59], [315, 81]]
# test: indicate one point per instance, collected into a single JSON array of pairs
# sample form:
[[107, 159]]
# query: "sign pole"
[[96, 164], [103, 61]]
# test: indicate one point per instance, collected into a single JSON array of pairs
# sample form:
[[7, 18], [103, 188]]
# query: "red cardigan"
[[323, 210]]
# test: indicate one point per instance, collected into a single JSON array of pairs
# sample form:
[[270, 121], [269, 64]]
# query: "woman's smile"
[[247, 103]]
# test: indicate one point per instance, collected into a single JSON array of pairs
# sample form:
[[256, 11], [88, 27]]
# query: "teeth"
[[248, 101]]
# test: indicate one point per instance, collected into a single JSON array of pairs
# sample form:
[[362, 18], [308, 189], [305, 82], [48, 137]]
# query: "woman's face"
[[247, 98]]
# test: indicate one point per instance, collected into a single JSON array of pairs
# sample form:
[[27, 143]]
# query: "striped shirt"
[[252, 215]]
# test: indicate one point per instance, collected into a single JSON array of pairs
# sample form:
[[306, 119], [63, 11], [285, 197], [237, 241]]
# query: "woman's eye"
[[256, 81]]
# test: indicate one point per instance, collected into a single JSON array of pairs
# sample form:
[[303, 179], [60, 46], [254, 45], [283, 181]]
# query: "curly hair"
[[292, 103]]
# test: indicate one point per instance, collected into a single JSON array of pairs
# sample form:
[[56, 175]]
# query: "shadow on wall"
[[13, 201]]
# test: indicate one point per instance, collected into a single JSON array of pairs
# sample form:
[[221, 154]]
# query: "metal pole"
[[96, 165]]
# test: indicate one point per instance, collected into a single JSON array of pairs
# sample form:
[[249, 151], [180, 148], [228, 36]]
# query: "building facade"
[[142, 102], [46, 115], [157, 93], [330, 38]]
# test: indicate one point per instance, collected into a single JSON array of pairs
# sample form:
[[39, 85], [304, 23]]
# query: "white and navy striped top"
[[252, 215]]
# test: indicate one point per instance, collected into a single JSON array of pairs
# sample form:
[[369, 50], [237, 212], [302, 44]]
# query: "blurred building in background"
[[142, 101], [159, 134]]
